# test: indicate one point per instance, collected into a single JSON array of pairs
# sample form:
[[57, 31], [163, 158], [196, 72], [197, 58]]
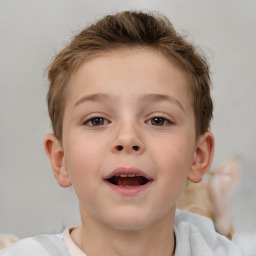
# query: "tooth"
[[131, 175], [123, 175]]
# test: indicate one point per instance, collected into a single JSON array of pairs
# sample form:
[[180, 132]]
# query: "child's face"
[[128, 113]]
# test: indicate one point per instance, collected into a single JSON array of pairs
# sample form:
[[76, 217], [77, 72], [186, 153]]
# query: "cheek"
[[81, 152], [173, 161], [174, 153], [81, 162]]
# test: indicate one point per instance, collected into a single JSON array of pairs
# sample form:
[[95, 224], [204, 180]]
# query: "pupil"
[[98, 121], [158, 121]]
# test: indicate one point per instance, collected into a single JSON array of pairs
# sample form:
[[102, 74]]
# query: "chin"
[[130, 221]]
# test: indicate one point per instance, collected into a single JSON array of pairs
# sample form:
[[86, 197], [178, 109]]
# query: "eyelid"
[[166, 121], [89, 117], [161, 115]]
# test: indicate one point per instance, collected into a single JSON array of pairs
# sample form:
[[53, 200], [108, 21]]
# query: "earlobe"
[[55, 154], [203, 157]]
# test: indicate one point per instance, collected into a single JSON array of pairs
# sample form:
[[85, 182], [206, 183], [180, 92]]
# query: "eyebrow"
[[152, 97], [94, 97]]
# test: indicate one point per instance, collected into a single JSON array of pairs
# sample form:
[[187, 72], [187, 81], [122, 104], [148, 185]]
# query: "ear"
[[203, 157], [55, 153]]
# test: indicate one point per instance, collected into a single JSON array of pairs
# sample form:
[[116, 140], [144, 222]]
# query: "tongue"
[[127, 181]]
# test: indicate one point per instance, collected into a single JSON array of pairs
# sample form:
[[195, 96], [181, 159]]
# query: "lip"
[[127, 170], [132, 190]]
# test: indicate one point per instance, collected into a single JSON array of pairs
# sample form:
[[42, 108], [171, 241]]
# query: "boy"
[[130, 106]]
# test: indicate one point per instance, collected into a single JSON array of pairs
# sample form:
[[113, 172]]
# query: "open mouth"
[[128, 180]]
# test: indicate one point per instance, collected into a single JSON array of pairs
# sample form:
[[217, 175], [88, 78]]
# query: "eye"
[[158, 121], [96, 121]]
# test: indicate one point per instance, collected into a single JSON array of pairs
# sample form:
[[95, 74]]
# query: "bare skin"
[[125, 243], [128, 112]]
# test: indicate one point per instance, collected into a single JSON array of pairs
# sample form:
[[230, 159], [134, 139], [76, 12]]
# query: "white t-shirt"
[[195, 236]]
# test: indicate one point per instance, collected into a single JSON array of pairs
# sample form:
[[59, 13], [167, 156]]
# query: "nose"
[[129, 140]]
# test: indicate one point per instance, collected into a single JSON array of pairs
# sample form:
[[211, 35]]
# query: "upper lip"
[[127, 171]]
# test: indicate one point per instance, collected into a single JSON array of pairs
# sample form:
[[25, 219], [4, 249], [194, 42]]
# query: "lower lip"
[[129, 191]]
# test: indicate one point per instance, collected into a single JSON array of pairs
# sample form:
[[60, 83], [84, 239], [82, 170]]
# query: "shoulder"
[[42, 245], [196, 236]]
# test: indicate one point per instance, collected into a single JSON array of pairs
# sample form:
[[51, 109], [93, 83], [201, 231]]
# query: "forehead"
[[125, 67]]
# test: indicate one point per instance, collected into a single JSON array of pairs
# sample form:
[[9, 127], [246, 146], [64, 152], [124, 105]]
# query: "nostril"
[[119, 148], [136, 148]]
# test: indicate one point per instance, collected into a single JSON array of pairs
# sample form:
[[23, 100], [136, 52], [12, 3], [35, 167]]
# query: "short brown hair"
[[127, 30]]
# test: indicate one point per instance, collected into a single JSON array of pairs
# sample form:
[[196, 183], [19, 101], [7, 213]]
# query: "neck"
[[97, 239]]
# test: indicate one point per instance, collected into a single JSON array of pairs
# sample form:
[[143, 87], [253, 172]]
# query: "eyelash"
[[103, 121], [165, 120], [90, 120]]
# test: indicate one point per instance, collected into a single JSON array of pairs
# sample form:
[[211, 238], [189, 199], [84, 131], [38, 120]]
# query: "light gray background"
[[32, 31]]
